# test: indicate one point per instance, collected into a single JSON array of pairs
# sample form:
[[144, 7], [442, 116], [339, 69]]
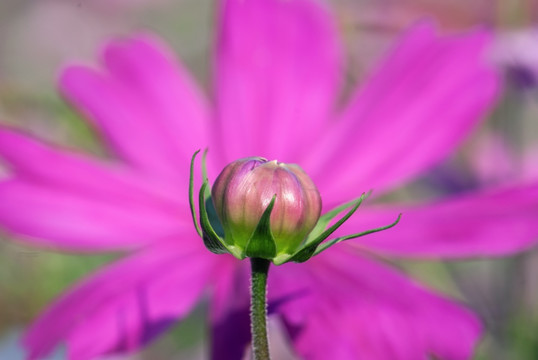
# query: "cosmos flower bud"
[[246, 187], [268, 210]]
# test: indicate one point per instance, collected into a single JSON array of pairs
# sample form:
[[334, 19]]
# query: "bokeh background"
[[38, 36]]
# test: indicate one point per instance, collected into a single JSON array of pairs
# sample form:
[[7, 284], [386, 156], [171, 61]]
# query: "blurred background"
[[38, 36]]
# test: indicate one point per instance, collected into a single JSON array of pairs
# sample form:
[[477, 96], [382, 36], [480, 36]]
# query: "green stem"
[[258, 309]]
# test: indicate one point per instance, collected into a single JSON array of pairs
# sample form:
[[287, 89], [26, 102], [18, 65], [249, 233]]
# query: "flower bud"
[[246, 187]]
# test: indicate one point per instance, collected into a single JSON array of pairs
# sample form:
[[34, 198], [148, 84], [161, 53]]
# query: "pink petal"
[[372, 312], [530, 163], [492, 223], [277, 69], [69, 171], [48, 216], [230, 322], [121, 308], [423, 100], [146, 105]]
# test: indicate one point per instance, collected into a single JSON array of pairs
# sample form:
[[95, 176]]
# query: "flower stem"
[[258, 309]]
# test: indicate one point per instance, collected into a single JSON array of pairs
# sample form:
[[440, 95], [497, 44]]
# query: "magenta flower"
[[278, 69]]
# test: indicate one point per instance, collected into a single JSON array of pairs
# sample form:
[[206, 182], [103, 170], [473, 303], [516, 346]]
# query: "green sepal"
[[326, 218], [261, 243], [330, 243], [213, 218], [211, 240], [191, 194], [309, 248], [204, 166]]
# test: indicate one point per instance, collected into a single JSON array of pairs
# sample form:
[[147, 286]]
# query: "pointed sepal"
[[261, 243], [191, 194], [309, 248], [330, 243], [212, 240], [326, 218]]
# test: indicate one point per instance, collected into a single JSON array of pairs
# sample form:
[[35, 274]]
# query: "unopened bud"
[[245, 188], [267, 210]]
